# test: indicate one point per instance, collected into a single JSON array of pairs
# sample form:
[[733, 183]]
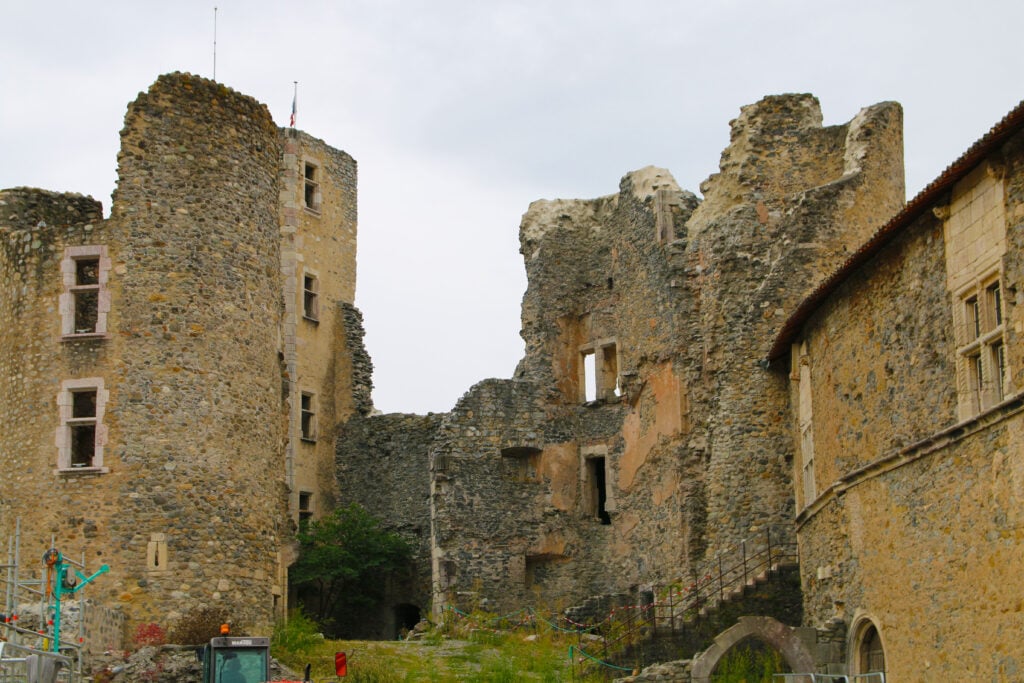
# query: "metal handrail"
[[828, 678], [733, 567], [16, 667]]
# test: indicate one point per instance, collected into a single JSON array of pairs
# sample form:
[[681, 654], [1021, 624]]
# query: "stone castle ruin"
[[185, 382], [639, 435]]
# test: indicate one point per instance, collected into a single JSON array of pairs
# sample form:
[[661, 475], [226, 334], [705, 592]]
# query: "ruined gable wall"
[[515, 517], [754, 258]]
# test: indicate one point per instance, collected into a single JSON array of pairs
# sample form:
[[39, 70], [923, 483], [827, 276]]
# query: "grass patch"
[[469, 654]]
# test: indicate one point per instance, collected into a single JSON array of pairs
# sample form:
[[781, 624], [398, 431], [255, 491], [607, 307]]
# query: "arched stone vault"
[[786, 639]]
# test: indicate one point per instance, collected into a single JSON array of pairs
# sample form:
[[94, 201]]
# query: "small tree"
[[345, 560]]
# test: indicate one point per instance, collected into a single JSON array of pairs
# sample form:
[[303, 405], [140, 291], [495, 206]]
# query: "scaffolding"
[[33, 648]]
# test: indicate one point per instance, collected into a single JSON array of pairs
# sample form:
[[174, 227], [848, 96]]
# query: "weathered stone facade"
[[153, 362], [639, 434], [905, 372]]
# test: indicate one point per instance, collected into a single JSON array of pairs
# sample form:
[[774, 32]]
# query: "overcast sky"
[[460, 113]]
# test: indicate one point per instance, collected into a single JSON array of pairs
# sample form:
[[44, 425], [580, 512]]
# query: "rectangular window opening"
[[310, 297], [589, 376], [305, 509], [83, 428], [311, 191], [598, 490], [308, 416]]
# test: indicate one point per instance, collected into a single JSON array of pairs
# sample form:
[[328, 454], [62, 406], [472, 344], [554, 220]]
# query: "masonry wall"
[[913, 528], [381, 465], [679, 300], [188, 507]]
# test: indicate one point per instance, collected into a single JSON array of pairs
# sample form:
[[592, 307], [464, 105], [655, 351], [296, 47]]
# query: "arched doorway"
[[868, 652], [751, 660]]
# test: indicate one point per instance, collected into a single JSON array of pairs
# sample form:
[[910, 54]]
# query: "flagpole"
[[295, 104], [215, 43]]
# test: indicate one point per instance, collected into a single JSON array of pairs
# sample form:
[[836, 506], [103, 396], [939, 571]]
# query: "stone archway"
[[785, 639]]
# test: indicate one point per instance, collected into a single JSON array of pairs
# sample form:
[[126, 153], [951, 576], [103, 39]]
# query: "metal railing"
[[725, 575], [873, 677], [20, 664], [676, 606]]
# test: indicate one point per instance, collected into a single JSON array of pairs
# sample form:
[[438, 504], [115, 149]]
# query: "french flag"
[[295, 103]]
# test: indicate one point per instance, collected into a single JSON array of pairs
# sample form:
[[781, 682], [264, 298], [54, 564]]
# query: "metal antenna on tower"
[[215, 42]]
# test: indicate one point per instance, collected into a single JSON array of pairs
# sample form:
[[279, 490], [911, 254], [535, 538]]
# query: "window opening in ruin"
[[83, 304], [311, 192], [310, 297], [79, 437], [83, 427], [87, 294], [599, 378], [308, 416], [305, 509], [589, 376], [525, 462], [981, 349], [599, 491]]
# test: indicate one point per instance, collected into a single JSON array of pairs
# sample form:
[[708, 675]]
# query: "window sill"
[[81, 471], [306, 439], [315, 321], [310, 210], [84, 335]]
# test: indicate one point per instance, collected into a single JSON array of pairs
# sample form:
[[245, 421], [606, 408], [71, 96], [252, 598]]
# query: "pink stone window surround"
[[81, 436], [85, 300]]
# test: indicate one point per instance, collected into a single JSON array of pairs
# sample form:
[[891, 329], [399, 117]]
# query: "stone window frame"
[[801, 374], [607, 379], [65, 409], [73, 290], [307, 416], [311, 195], [979, 314], [311, 296]]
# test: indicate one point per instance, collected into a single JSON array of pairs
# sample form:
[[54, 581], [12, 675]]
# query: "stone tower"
[[154, 367]]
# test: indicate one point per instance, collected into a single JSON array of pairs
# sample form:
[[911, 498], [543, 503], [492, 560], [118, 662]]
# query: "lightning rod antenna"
[[214, 42]]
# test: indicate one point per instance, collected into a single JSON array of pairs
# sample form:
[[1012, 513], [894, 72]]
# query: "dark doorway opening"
[[406, 617], [599, 493]]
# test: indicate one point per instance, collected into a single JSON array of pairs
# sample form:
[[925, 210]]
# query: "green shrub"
[[297, 634]]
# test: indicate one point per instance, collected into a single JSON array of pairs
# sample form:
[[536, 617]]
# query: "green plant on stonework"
[[748, 663], [344, 562], [297, 634]]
